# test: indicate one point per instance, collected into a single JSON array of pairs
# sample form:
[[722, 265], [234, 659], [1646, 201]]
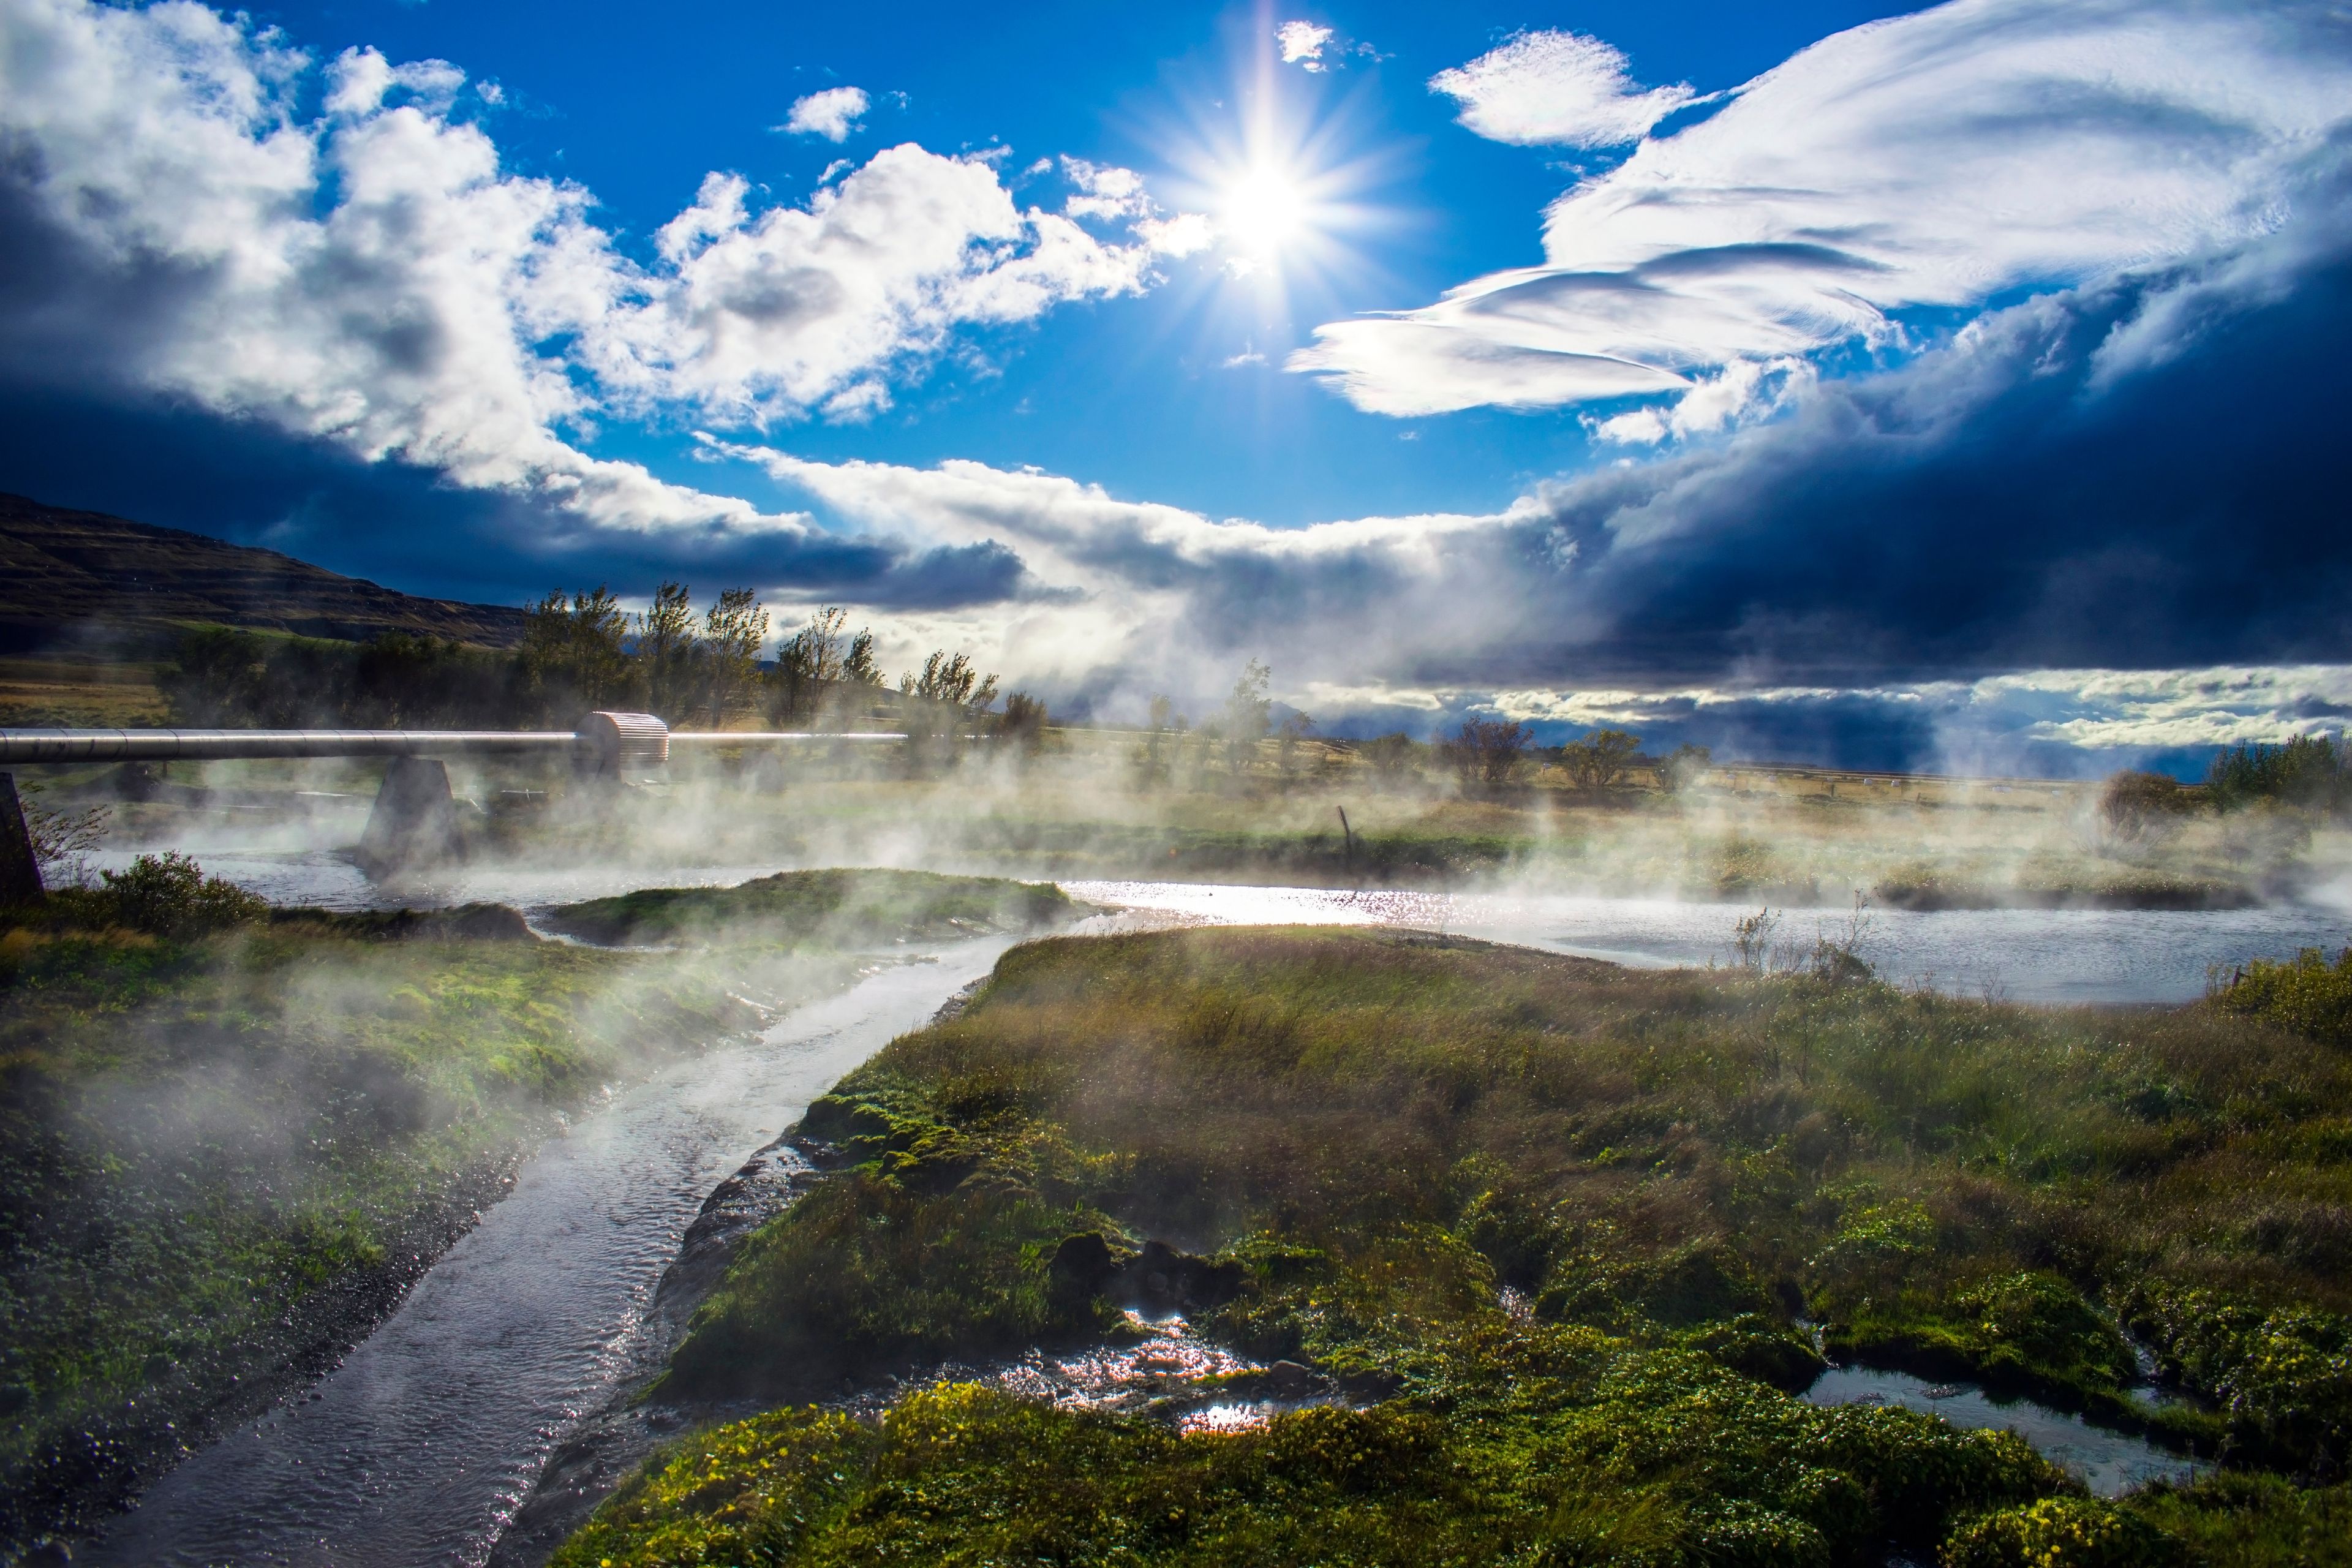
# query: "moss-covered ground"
[[230, 1138], [830, 908], [1562, 1231]]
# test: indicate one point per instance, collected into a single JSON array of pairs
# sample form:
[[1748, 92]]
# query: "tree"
[[1485, 751], [809, 662], [857, 667], [948, 692], [1599, 758], [666, 650], [1247, 714], [1392, 756], [1023, 724], [732, 631], [574, 655], [952, 681], [2309, 771], [1684, 766], [2133, 802]]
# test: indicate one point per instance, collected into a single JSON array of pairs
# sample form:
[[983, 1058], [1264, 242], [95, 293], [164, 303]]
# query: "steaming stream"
[[419, 1447]]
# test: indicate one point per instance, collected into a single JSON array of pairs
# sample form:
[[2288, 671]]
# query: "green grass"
[[831, 907], [1380, 1130]]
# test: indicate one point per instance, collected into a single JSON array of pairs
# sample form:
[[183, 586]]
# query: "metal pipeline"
[[221, 745], [630, 739]]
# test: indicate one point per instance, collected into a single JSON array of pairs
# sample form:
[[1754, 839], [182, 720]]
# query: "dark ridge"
[[60, 568]]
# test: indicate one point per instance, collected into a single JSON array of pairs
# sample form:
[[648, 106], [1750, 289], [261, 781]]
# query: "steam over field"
[[1126, 804]]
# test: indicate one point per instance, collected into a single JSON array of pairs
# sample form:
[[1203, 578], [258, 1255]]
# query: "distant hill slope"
[[60, 568]]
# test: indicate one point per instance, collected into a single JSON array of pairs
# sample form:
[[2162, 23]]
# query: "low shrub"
[[1667, 1459], [2132, 805], [2305, 993], [2060, 1533], [168, 895], [2282, 1375]]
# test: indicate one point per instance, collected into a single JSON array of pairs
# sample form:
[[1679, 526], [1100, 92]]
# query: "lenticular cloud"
[[1936, 160], [1556, 88]]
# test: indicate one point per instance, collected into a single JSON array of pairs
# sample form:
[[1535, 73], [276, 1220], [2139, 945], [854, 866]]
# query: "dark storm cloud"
[[1992, 507], [408, 529]]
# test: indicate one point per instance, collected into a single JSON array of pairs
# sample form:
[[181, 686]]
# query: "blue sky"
[[1129, 393], [1955, 387]]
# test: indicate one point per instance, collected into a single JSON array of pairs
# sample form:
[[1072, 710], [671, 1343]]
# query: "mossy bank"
[[1559, 1233]]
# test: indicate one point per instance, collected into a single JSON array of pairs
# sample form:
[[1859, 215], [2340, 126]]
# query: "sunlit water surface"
[[2026, 955], [2109, 1463]]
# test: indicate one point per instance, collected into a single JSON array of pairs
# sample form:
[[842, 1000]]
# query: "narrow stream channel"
[[418, 1449]]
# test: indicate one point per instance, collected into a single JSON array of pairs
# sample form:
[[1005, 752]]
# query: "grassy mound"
[[834, 908], [1377, 1134]]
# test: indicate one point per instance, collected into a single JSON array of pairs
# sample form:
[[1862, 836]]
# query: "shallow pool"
[[2109, 1463]]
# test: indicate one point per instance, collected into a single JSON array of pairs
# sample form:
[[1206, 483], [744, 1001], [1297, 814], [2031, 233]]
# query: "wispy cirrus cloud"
[[1933, 161]]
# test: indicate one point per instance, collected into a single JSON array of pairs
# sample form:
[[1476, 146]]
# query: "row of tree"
[[1484, 753], [1488, 754], [581, 652], [2307, 772], [2313, 771]]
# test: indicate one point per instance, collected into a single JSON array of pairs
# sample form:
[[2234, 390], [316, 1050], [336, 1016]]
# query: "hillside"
[[60, 568]]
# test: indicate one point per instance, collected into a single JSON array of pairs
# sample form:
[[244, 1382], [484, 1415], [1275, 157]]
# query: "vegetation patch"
[[1560, 1234]]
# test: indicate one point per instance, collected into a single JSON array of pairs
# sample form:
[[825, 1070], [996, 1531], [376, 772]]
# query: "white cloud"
[[1556, 88], [1744, 392], [769, 313], [832, 114], [375, 277], [1302, 44], [1933, 160], [1984, 724], [1139, 591]]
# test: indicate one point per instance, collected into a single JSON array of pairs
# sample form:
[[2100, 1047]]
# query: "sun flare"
[[1264, 209]]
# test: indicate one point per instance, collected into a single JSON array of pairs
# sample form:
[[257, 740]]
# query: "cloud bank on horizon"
[[1976, 364]]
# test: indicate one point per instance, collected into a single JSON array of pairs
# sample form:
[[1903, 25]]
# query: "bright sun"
[[1261, 209]]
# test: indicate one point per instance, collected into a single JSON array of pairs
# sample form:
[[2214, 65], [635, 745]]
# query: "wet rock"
[[1082, 1266], [1160, 1279], [1287, 1381], [1370, 1387]]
